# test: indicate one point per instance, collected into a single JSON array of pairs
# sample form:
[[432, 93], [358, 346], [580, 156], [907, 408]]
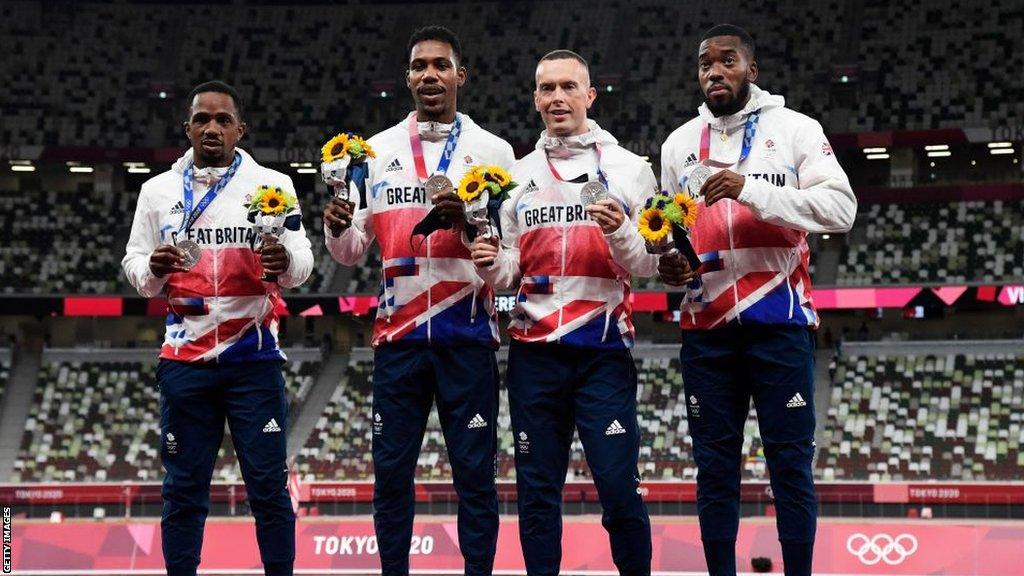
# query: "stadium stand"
[[339, 446], [100, 421], [114, 102], [936, 242], [925, 416]]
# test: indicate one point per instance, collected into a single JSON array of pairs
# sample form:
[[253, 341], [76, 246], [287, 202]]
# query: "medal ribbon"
[[192, 215], [600, 173], [749, 130], [446, 154]]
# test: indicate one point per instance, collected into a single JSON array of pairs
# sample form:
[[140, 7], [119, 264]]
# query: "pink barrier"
[[895, 548]]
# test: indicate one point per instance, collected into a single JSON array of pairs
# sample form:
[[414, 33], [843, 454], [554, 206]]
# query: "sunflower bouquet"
[[665, 222], [482, 189], [272, 210], [343, 163]]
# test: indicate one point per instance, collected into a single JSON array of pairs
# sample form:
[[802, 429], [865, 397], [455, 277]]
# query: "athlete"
[[436, 329], [192, 242], [747, 314], [568, 243]]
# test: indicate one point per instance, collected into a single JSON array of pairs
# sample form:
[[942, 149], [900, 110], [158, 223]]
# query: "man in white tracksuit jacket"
[[747, 314], [220, 358], [569, 363]]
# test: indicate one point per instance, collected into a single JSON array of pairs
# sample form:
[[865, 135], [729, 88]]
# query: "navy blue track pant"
[[194, 402], [722, 370], [551, 389], [407, 380]]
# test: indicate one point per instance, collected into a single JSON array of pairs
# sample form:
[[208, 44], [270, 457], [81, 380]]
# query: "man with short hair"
[[568, 242], [191, 240], [748, 317], [436, 327]]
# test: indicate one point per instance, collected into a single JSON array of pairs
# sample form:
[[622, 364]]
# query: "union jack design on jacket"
[[429, 291], [754, 250], [574, 280], [219, 310]]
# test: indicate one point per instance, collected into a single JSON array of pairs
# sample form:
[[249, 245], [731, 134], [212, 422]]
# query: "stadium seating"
[[339, 446], [99, 421], [935, 242], [85, 233], [925, 417], [114, 101]]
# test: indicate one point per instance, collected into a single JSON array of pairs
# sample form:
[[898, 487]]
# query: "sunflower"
[[654, 226], [688, 207], [272, 201], [335, 148], [500, 175], [471, 186]]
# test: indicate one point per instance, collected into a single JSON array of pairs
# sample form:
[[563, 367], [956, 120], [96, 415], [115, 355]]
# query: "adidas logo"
[[271, 427], [796, 401], [477, 422], [531, 186], [395, 166], [614, 428], [178, 208], [693, 400], [690, 160]]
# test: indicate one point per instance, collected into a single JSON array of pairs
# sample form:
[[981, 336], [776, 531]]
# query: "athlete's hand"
[[608, 214], [273, 257], [338, 215], [450, 208], [166, 260], [674, 269], [484, 251], [725, 184]]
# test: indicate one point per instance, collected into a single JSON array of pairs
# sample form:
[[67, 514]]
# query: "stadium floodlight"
[[301, 164], [22, 166], [874, 150], [1000, 144], [139, 170], [306, 170], [80, 169], [939, 154], [935, 147], [997, 151], [877, 156]]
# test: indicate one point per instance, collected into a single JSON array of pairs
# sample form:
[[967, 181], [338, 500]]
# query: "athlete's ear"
[[463, 75], [408, 78], [591, 96], [752, 71], [242, 129]]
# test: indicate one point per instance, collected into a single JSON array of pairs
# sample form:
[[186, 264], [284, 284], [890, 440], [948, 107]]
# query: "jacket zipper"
[[732, 249], [430, 295], [216, 302], [558, 293]]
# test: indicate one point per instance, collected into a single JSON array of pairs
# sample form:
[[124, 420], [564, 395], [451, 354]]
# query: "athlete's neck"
[[729, 111], [223, 162], [445, 117]]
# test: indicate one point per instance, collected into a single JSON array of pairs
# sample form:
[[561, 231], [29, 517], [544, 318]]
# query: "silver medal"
[[698, 176], [192, 253], [438, 184], [592, 193]]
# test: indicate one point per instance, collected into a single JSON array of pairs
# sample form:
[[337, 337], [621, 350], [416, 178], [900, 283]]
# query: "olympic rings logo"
[[881, 548]]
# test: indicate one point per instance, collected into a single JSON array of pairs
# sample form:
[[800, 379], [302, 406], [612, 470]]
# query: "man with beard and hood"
[[747, 314], [191, 240], [436, 328], [567, 241]]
